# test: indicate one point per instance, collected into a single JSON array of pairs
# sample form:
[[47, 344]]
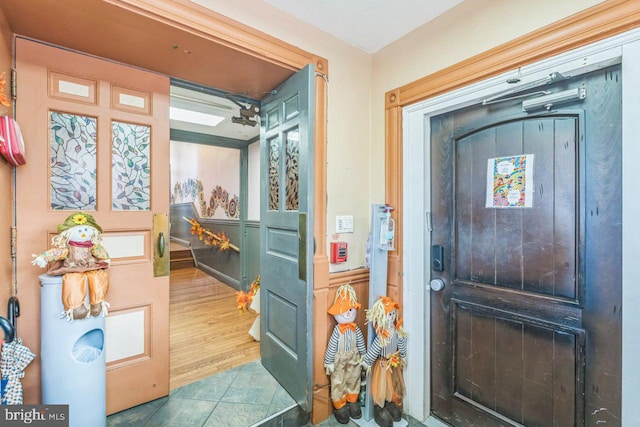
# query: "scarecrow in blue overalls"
[[344, 355]]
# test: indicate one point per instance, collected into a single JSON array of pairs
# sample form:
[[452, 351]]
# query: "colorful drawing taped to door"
[[510, 182]]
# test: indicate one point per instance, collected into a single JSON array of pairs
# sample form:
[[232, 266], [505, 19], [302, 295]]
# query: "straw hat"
[[78, 218], [345, 300]]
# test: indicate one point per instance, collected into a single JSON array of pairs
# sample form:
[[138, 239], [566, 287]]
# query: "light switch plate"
[[344, 224]]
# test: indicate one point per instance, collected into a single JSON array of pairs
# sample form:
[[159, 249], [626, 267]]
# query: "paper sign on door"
[[510, 182]]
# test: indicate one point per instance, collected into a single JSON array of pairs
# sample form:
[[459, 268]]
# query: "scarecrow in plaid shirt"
[[343, 357], [79, 257]]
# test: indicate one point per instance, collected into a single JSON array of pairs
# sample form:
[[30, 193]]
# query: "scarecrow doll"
[[78, 256], [344, 354], [387, 355]]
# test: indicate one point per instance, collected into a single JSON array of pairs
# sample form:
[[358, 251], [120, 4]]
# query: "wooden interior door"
[[286, 234], [527, 330], [98, 139]]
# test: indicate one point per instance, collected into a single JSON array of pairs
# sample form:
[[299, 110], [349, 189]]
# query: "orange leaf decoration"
[[244, 299], [394, 361], [3, 98]]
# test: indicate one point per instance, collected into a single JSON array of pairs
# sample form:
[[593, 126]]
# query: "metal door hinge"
[[14, 84], [14, 244]]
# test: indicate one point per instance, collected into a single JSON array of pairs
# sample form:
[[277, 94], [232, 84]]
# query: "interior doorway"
[[417, 128], [216, 58], [214, 165]]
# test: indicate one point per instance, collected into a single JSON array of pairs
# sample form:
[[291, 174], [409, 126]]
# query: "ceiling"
[[368, 25], [356, 22], [103, 29], [111, 31]]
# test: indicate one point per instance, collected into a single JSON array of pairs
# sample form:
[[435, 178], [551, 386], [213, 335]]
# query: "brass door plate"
[[160, 245]]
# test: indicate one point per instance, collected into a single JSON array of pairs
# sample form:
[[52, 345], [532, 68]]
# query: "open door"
[[286, 234], [98, 137]]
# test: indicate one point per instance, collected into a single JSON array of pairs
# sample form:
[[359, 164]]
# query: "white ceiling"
[[369, 25]]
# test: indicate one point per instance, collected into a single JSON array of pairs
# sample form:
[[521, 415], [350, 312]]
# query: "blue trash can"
[[72, 359]]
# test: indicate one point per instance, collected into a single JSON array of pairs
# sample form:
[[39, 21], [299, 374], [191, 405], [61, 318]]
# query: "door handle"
[[160, 254], [161, 244], [437, 285]]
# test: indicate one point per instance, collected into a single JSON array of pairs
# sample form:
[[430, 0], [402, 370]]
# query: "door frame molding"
[[406, 119], [597, 23], [220, 29], [196, 22]]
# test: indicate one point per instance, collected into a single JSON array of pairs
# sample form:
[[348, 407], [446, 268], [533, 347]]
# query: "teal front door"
[[286, 234]]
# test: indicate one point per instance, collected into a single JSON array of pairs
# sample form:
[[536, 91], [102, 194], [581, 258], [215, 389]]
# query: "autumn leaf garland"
[[209, 238]]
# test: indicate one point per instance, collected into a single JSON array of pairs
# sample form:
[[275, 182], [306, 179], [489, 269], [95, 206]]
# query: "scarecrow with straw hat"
[[78, 256], [344, 354], [387, 354]]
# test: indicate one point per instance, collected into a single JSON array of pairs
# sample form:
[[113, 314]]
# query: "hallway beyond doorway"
[[207, 334]]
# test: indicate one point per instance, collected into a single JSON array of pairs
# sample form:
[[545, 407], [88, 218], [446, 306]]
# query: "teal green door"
[[286, 234]]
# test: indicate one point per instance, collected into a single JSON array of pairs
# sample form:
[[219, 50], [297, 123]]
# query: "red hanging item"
[[11, 142]]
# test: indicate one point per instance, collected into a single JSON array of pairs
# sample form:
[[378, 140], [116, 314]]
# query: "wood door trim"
[[596, 23], [203, 22]]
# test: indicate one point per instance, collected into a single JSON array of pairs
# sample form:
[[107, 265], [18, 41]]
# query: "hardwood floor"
[[207, 334]]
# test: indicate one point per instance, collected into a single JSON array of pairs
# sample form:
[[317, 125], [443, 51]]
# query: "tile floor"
[[331, 422], [240, 397]]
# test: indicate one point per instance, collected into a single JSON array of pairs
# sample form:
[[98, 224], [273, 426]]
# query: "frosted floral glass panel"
[[130, 161], [72, 172], [291, 167], [274, 176]]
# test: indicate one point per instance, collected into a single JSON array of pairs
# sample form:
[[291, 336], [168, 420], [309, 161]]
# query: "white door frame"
[[623, 48]]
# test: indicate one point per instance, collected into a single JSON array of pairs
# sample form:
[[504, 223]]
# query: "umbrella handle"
[[9, 332], [13, 308]]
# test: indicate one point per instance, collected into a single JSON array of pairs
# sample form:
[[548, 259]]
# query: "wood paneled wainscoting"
[[207, 333]]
